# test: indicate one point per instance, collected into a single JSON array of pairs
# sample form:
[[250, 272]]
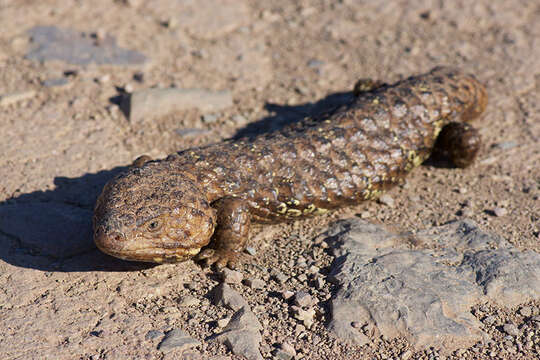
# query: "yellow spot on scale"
[[320, 211], [294, 212], [282, 208]]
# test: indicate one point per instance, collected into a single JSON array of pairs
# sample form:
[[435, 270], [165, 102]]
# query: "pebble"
[[177, 338], [255, 283], [511, 329], [189, 301], [224, 295], [490, 320], [231, 276], [284, 351], [209, 118], [387, 200], [525, 311], [55, 82], [365, 214], [279, 276], [251, 250], [191, 132], [406, 355], [152, 334], [305, 316], [242, 334], [303, 299], [287, 294], [319, 283], [499, 211], [223, 322], [15, 97]]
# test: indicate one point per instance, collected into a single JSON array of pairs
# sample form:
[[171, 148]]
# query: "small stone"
[[279, 276], [314, 63], [511, 329], [152, 334], [242, 334], [319, 283], [490, 320], [287, 294], [302, 277], [239, 120], [284, 351], [15, 97], [499, 211], [303, 299], [104, 79], [209, 118], [189, 301], [251, 251], [255, 283], [387, 200], [406, 355], [223, 322], [306, 316], [177, 338], [313, 269], [231, 276], [224, 295], [128, 88], [55, 82], [525, 311], [365, 214]]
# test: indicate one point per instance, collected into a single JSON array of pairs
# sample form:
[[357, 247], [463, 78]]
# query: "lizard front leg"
[[231, 234]]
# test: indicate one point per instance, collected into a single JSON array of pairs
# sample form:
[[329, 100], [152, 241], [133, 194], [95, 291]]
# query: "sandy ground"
[[61, 143]]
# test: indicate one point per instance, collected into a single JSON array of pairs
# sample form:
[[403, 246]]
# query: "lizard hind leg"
[[459, 142], [231, 234]]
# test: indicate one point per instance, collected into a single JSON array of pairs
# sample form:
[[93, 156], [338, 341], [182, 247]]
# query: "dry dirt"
[[61, 298]]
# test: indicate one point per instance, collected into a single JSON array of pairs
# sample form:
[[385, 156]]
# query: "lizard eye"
[[153, 225]]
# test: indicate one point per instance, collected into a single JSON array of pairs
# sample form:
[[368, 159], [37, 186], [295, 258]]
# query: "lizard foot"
[[220, 258]]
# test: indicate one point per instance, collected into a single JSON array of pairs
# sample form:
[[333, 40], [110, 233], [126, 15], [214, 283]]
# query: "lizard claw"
[[219, 258]]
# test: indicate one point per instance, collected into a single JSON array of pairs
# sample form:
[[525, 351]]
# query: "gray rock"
[[223, 295], [303, 299], [143, 105], [231, 276], [177, 338], [511, 329], [48, 228], [74, 47], [55, 82], [242, 335], [424, 295]]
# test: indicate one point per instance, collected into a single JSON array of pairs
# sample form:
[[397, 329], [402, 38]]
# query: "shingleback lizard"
[[169, 210]]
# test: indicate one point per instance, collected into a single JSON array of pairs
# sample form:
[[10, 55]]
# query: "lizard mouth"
[[116, 244]]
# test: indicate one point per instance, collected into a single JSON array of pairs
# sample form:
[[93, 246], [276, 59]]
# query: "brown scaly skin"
[[168, 210]]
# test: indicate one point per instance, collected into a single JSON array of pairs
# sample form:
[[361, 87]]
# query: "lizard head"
[[154, 214]]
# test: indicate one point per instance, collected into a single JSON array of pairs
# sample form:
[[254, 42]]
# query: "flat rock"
[[77, 48], [424, 294], [177, 339], [242, 335], [150, 103], [57, 230]]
